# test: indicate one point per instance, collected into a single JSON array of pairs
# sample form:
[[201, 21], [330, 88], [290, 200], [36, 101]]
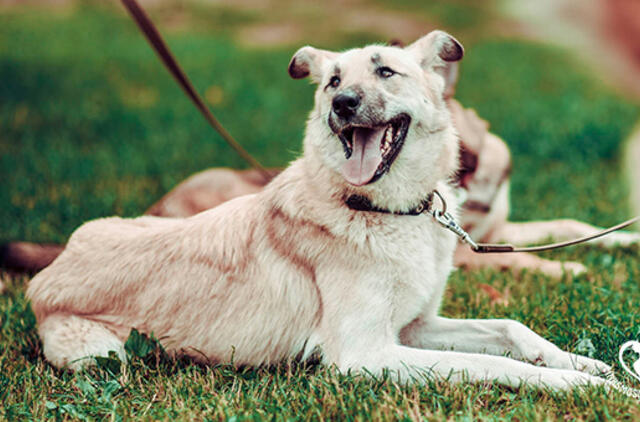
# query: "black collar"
[[362, 203]]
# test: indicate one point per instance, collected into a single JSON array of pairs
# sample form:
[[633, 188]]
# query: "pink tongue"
[[365, 157]]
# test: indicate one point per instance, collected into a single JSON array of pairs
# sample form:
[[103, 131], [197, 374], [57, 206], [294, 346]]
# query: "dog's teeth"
[[387, 139], [385, 145]]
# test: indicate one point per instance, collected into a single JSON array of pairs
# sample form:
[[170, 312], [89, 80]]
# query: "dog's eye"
[[385, 72], [334, 82]]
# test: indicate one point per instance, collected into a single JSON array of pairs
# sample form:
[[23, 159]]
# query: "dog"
[[482, 183], [333, 255]]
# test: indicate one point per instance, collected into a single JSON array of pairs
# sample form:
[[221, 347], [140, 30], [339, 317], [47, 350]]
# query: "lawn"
[[91, 125]]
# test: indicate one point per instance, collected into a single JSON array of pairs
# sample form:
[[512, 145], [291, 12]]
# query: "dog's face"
[[379, 111]]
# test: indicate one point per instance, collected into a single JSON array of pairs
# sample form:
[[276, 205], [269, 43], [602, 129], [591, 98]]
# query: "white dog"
[[482, 180], [332, 255]]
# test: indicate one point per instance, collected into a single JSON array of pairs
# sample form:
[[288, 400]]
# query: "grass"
[[93, 126]]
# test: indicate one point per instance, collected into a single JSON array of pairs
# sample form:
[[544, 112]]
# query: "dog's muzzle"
[[346, 104], [369, 147]]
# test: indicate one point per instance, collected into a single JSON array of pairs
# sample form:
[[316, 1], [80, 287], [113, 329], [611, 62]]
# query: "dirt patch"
[[388, 24], [304, 22], [623, 24], [53, 3], [270, 34], [597, 31]]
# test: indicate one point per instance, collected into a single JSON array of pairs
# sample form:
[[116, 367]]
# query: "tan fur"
[[208, 189], [291, 269], [484, 214]]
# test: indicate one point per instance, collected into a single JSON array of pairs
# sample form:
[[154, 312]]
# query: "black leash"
[[162, 50], [446, 220]]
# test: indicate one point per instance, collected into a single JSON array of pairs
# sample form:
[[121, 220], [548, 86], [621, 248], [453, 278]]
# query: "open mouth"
[[370, 150]]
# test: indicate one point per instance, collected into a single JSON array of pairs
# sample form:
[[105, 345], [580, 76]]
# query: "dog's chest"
[[418, 256]]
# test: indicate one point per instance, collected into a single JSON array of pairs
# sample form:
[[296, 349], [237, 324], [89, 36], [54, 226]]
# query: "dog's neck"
[[329, 186], [362, 203]]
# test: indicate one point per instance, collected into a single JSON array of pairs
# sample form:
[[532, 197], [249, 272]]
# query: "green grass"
[[91, 125]]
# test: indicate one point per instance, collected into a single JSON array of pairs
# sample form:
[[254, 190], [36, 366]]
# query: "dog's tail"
[[28, 257]]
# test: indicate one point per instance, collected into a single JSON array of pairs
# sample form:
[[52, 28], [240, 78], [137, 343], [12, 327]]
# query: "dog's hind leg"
[[466, 258], [72, 341], [539, 231]]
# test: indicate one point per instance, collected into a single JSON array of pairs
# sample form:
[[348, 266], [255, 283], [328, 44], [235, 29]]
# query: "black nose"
[[345, 104]]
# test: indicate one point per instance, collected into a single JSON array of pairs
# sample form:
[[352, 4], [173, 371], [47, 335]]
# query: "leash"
[[162, 50], [354, 202], [446, 220]]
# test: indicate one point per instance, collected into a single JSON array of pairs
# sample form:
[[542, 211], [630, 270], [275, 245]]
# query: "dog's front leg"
[[497, 337], [418, 365], [358, 335]]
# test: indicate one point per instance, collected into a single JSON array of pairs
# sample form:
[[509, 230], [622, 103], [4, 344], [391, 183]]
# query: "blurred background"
[[92, 125]]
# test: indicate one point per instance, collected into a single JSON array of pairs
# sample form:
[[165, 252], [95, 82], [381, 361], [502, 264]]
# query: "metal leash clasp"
[[447, 221]]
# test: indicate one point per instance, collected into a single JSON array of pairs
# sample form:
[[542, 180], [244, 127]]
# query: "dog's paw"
[[574, 268], [557, 269], [620, 239], [566, 360], [590, 366], [564, 379]]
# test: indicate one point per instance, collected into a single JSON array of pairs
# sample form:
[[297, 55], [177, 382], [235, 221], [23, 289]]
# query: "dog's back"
[[181, 279]]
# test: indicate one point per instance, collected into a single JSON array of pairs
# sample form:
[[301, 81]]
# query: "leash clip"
[[447, 221]]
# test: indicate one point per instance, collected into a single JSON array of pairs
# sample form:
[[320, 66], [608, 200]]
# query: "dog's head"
[[380, 119]]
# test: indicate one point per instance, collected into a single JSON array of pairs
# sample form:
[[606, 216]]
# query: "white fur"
[[266, 276]]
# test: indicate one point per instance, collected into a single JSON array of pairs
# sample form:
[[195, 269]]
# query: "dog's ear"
[[438, 51], [450, 75], [309, 61]]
